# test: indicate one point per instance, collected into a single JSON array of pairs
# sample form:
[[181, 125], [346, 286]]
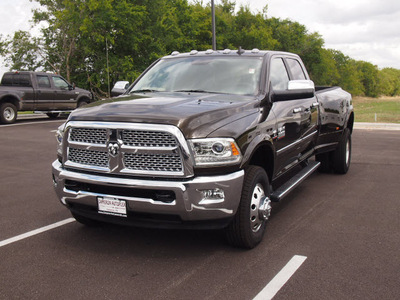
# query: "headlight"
[[60, 138], [215, 151]]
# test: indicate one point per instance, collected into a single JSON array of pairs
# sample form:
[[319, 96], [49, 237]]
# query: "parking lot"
[[347, 227]]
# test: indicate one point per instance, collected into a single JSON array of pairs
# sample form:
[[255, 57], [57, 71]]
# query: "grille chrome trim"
[[163, 150]]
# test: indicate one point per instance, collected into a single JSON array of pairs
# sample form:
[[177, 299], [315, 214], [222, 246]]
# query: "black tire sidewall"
[[239, 232], [340, 164]]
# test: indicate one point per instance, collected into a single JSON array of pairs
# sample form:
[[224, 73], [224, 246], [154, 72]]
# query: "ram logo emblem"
[[113, 149]]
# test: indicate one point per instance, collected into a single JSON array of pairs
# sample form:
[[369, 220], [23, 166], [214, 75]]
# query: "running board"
[[293, 182]]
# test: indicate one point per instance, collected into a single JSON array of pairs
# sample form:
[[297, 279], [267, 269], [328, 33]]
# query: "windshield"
[[239, 75]]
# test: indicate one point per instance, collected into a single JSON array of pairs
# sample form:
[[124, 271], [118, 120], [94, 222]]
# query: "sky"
[[365, 30]]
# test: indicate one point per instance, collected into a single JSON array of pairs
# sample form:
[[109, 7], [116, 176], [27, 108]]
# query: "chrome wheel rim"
[[8, 114]]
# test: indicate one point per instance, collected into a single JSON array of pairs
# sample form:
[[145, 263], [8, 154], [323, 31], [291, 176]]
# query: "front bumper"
[[187, 206]]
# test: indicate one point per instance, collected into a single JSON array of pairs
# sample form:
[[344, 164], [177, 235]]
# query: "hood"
[[197, 115]]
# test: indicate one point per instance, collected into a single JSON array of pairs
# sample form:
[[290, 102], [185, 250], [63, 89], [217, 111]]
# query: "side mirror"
[[71, 87], [119, 88], [297, 89]]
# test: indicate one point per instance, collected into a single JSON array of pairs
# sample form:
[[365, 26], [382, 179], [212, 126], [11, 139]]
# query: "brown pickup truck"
[[38, 91], [203, 140]]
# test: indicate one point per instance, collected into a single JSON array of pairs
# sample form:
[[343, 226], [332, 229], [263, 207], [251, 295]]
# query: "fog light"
[[212, 196]]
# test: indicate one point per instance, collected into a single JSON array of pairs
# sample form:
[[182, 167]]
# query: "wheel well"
[[10, 99], [83, 99], [263, 157], [350, 122]]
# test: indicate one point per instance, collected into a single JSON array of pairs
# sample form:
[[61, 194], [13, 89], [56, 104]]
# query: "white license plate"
[[112, 206]]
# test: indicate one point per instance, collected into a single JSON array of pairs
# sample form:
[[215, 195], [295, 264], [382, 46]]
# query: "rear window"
[[16, 80]]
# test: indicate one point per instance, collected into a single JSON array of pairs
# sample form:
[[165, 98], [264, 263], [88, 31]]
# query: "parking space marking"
[[273, 287], [35, 232]]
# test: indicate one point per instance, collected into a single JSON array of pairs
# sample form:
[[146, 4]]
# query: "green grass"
[[387, 109]]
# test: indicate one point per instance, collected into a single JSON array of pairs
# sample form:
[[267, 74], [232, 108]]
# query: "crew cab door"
[[64, 94], [296, 117], [44, 93]]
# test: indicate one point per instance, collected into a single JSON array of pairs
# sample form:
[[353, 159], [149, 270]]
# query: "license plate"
[[112, 206]]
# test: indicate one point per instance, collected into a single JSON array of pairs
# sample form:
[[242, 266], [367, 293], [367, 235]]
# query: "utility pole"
[[108, 71], [214, 42]]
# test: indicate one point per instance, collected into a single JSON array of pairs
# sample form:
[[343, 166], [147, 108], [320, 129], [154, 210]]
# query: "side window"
[[16, 80], [278, 77], [60, 83], [43, 81], [296, 69]]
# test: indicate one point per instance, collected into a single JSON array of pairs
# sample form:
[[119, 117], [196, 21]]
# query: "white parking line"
[[35, 232], [281, 278]]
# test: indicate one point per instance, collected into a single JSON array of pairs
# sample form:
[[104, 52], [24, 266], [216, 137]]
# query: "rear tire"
[[8, 113], [248, 226], [342, 156]]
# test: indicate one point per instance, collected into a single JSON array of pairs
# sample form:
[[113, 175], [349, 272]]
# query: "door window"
[[296, 69], [60, 83], [279, 77], [43, 81]]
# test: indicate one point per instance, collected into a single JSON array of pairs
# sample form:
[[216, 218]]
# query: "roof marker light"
[[226, 51], [175, 53], [255, 50], [209, 51], [194, 52]]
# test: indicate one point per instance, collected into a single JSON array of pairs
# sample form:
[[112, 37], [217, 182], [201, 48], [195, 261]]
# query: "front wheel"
[[53, 115], [248, 226], [8, 113]]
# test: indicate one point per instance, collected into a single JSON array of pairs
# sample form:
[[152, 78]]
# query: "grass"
[[386, 109]]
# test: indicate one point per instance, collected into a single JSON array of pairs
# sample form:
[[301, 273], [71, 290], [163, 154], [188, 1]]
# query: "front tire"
[[8, 113], [53, 115], [248, 226]]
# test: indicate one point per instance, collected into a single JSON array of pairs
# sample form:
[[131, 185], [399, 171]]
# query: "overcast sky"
[[362, 29]]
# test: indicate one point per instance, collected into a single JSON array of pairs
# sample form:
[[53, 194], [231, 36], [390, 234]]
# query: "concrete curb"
[[377, 126]]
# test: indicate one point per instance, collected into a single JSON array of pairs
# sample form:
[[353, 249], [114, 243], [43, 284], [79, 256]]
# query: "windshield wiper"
[[143, 91]]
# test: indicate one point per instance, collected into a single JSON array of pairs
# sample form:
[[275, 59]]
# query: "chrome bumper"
[[189, 203]]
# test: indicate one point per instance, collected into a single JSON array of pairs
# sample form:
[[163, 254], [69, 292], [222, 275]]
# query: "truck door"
[[296, 120], [44, 93], [65, 96], [308, 108], [287, 131]]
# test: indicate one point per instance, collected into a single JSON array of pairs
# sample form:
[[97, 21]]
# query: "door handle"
[[297, 110], [315, 104]]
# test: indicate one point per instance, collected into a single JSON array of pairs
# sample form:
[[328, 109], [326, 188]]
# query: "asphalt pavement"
[[347, 227]]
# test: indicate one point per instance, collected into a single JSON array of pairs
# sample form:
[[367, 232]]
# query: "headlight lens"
[[215, 151], [59, 138]]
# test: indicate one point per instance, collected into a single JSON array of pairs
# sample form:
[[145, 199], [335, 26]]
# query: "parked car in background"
[[38, 91]]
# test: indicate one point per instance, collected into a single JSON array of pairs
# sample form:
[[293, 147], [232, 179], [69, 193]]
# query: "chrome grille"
[[89, 135], [139, 149], [88, 157], [138, 138], [153, 162]]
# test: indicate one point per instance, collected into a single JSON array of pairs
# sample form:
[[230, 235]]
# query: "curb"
[[377, 126]]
